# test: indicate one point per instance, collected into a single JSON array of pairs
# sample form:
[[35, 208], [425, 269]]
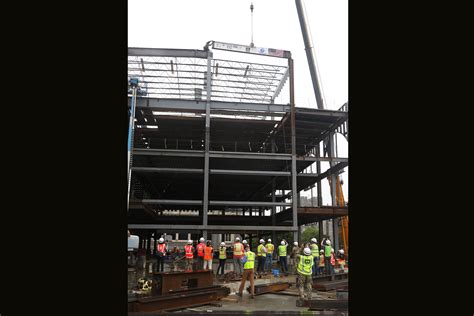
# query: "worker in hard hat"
[[327, 257], [315, 253], [249, 262], [295, 252], [189, 254], [222, 257], [282, 256], [261, 256], [333, 259], [238, 255], [161, 250], [268, 261], [304, 278], [341, 259], [200, 253], [208, 256], [321, 262]]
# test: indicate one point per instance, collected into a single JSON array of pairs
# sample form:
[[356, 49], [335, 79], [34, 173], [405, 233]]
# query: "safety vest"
[[333, 261], [200, 249], [314, 250], [260, 251], [161, 248], [270, 248], [327, 251], [249, 264], [222, 254], [321, 261], [207, 253], [238, 249], [189, 251], [282, 251], [305, 265]]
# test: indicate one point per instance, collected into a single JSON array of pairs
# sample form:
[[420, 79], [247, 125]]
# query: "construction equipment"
[[344, 231]]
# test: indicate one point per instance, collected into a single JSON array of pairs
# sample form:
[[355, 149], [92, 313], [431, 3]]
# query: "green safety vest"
[[327, 251], [249, 264], [305, 265], [282, 251], [314, 250], [222, 254], [260, 251]]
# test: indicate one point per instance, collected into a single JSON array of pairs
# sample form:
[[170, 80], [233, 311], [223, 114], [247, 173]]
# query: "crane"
[[344, 219]]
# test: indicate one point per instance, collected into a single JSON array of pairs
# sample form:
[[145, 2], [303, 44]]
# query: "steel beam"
[[237, 228], [205, 205], [172, 202], [250, 172], [249, 155], [167, 52], [294, 188], [168, 152], [248, 203], [164, 170], [269, 288], [334, 159]]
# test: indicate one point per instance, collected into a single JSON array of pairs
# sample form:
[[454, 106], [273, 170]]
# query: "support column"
[[318, 171], [335, 230], [205, 204], [294, 192]]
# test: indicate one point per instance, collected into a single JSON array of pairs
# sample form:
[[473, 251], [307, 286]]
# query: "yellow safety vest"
[[305, 265], [238, 249], [222, 254], [260, 251], [270, 248], [327, 251], [249, 264], [282, 251], [314, 250]]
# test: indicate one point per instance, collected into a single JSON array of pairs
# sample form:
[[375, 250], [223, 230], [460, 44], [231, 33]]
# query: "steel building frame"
[[194, 123]]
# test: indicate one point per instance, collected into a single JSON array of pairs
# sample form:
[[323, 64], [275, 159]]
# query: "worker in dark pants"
[[327, 257], [222, 257], [160, 255], [261, 256], [200, 253], [282, 254]]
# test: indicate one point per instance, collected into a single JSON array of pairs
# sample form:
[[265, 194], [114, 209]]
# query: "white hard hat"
[[244, 242], [307, 251], [332, 249], [262, 241], [314, 240], [161, 240], [295, 243], [201, 239], [341, 251], [321, 251], [269, 240], [237, 238], [283, 242], [328, 242], [222, 243], [190, 241]]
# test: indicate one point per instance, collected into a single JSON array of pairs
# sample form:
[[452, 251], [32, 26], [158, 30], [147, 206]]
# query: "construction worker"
[[208, 253], [249, 262], [327, 257], [341, 259], [189, 254], [304, 279], [200, 253], [268, 262], [321, 262], [161, 250], [333, 260], [238, 255], [315, 253], [282, 254], [261, 255], [295, 251], [222, 257]]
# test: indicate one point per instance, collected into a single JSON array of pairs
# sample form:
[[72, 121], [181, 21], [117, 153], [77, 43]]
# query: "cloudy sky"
[[190, 24]]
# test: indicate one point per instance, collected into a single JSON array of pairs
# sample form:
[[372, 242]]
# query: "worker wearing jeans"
[[268, 263], [238, 255], [249, 262], [327, 258], [282, 255]]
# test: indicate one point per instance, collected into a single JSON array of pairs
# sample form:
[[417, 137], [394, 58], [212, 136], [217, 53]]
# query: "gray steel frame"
[[336, 163]]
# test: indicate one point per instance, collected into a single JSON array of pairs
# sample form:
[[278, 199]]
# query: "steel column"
[[318, 171], [331, 154], [205, 205], [130, 141], [293, 150]]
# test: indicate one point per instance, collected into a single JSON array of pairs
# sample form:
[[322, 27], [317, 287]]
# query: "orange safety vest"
[[200, 248], [238, 249], [333, 261], [189, 251], [161, 248], [321, 261], [208, 253]]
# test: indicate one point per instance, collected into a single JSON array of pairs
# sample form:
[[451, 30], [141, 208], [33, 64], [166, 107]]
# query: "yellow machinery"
[[344, 232]]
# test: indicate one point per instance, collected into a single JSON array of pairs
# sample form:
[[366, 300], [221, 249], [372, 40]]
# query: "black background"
[[64, 127]]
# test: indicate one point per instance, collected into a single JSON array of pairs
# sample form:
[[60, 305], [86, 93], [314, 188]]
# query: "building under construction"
[[212, 153]]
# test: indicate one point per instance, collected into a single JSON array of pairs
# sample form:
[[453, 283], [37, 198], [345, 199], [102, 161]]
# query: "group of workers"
[[306, 261]]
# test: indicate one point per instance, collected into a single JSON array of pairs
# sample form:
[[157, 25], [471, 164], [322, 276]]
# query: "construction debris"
[[230, 277], [270, 288]]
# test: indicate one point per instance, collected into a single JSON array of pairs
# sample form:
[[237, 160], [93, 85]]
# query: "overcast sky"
[[190, 24]]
